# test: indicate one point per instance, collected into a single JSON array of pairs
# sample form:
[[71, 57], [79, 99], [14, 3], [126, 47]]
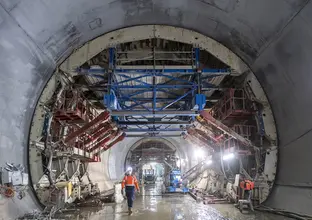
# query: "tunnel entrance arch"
[[152, 150], [90, 52], [182, 35], [272, 46]]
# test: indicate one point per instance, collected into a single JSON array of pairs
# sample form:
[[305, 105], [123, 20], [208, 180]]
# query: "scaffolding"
[[151, 87], [234, 105], [79, 130], [71, 107]]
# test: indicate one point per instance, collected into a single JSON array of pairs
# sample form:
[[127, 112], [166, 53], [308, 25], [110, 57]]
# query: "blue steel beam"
[[144, 71], [158, 99], [168, 92], [153, 122], [150, 86], [131, 107], [151, 130], [151, 90], [175, 78], [152, 135], [129, 79], [197, 50], [136, 104], [156, 113], [178, 99], [111, 59]]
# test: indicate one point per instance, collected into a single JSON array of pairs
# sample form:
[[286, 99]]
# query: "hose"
[[283, 212], [7, 191]]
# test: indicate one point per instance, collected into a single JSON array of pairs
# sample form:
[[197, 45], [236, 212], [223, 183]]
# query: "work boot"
[[130, 211]]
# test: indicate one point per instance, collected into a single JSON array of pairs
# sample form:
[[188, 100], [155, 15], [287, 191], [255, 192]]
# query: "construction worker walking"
[[129, 185], [247, 187]]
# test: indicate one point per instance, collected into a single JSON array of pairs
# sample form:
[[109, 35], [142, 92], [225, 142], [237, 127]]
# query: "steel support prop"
[[206, 115], [115, 141], [154, 122], [100, 132], [102, 117], [103, 141]]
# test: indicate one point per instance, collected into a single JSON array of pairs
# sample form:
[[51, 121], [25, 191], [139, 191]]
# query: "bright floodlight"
[[129, 169], [199, 153], [228, 156], [208, 162]]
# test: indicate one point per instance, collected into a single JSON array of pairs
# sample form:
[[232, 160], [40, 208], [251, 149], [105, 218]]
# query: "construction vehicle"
[[175, 182], [149, 176]]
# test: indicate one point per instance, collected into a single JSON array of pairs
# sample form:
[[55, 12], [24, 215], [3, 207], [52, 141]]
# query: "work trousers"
[[247, 194], [130, 195]]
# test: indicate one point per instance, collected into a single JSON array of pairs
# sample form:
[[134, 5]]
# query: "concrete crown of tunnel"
[[272, 37]]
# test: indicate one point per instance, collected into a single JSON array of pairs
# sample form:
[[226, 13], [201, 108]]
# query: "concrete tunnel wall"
[[272, 37]]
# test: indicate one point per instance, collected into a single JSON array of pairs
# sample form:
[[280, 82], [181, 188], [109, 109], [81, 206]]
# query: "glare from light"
[[199, 153], [153, 164], [208, 162], [228, 156]]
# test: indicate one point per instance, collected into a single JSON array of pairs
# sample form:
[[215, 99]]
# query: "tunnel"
[[267, 41]]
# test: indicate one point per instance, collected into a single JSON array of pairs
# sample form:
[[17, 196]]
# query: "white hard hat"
[[129, 170]]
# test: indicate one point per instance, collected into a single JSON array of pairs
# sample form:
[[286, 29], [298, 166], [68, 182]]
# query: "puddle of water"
[[152, 206]]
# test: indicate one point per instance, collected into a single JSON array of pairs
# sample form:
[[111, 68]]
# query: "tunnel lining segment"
[[137, 33]]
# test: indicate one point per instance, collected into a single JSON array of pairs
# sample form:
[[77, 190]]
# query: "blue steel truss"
[[121, 92]]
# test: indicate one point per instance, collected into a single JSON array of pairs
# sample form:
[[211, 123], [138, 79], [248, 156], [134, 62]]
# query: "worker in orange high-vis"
[[247, 186], [130, 184]]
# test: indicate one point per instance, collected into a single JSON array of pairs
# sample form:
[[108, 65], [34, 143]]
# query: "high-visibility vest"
[[130, 180], [247, 185]]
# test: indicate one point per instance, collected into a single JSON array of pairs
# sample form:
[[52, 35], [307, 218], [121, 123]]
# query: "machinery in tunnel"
[[153, 160], [234, 36], [152, 89]]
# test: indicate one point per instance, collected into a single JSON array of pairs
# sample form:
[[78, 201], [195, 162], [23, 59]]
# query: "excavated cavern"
[[55, 50]]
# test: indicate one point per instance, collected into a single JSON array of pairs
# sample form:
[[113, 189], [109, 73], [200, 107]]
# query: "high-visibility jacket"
[[130, 180], [247, 185]]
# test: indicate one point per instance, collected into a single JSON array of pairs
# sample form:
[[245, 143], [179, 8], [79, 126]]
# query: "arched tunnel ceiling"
[[151, 151], [272, 37], [118, 155]]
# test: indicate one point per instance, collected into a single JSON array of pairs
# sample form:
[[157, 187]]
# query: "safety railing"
[[247, 131], [233, 104], [73, 108]]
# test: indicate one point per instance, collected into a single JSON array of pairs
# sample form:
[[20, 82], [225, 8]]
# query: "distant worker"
[[247, 186], [130, 184]]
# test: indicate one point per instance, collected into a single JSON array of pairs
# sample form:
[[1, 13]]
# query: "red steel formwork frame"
[[78, 125], [193, 140], [234, 104], [73, 108], [209, 129], [92, 124], [246, 131]]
